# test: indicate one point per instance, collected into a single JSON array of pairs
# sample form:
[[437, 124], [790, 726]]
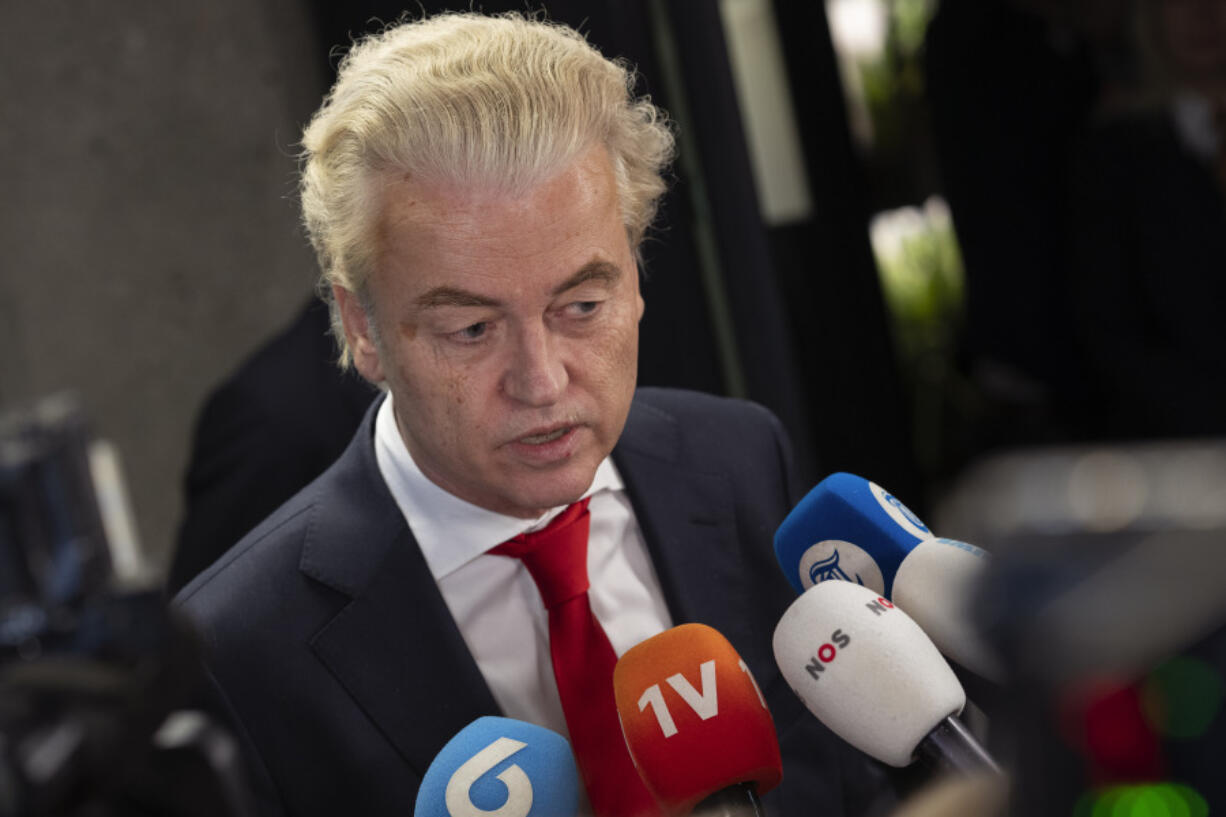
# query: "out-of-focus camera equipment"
[[1106, 602], [94, 672]]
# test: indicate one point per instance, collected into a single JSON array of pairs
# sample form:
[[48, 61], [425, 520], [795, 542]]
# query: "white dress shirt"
[[493, 599]]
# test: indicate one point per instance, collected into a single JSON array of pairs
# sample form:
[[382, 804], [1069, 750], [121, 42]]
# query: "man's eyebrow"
[[452, 296], [601, 271]]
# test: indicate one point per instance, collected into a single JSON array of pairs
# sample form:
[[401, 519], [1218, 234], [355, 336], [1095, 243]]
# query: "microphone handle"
[[740, 800], [951, 746]]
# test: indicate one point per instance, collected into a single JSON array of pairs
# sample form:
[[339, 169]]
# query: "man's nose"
[[536, 374]]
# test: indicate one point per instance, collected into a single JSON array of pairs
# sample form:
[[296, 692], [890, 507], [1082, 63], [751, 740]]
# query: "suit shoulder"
[[700, 414], [318, 547], [685, 404], [711, 434], [257, 574]]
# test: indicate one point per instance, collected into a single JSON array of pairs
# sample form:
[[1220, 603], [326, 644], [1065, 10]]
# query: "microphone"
[[936, 585], [847, 528], [696, 724], [500, 767], [870, 674], [852, 529]]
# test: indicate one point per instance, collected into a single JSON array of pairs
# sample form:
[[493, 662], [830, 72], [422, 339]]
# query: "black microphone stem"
[[740, 800], [951, 746]]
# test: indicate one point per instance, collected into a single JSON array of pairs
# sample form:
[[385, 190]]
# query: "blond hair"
[[495, 103]]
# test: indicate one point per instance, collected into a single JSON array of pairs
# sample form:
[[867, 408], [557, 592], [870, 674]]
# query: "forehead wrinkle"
[[458, 206], [461, 229], [452, 223]]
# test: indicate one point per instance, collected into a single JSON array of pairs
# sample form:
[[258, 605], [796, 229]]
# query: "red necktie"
[[583, 659]]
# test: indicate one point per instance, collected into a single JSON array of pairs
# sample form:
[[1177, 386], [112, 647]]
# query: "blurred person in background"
[[1009, 85], [267, 430], [1149, 225]]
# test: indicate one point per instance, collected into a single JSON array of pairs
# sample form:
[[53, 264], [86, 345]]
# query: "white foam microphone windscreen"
[[865, 669], [936, 585]]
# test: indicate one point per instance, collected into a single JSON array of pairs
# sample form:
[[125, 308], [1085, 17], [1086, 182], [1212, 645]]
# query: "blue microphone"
[[847, 528], [499, 767]]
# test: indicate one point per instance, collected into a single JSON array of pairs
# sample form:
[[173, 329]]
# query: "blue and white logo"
[[841, 561], [499, 767], [829, 569], [964, 546], [899, 512], [469, 795]]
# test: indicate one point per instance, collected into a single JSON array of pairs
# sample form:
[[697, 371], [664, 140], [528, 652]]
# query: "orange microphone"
[[696, 723]]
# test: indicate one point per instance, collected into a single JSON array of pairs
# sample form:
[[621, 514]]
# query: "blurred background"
[[921, 231], [974, 250]]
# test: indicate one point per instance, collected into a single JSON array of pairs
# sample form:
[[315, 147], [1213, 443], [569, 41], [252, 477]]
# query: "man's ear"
[[640, 304], [358, 335]]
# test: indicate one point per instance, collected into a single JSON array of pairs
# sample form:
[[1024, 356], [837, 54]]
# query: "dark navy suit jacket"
[[335, 655]]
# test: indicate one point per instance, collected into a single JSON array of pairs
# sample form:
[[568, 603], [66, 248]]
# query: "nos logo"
[[826, 653]]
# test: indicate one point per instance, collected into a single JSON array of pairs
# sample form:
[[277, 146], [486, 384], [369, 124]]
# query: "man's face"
[[508, 333]]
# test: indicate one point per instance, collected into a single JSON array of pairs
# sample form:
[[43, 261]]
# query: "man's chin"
[[539, 493], [537, 505]]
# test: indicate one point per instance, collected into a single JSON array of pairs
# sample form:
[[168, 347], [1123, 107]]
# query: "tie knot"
[[556, 555]]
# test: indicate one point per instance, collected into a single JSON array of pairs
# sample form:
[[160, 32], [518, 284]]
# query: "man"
[[476, 189]]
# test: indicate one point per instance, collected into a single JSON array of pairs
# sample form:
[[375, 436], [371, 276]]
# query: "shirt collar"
[[451, 531]]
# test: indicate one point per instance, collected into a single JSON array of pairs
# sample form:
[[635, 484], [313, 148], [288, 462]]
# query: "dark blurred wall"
[[147, 215]]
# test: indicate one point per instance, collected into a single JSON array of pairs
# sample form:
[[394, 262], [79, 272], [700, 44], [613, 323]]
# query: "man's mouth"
[[547, 437]]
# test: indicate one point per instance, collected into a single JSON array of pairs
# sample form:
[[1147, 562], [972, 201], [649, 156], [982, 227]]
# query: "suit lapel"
[[688, 521], [394, 646]]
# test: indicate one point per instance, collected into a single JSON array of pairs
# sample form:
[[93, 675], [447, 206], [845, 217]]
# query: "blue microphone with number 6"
[[499, 767]]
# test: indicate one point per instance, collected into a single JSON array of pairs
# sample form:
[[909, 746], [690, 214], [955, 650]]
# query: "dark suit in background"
[[1150, 278], [267, 430], [372, 677]]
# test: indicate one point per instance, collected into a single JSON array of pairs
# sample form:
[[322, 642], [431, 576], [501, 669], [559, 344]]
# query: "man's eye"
[[474, 332], [581, 308]]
